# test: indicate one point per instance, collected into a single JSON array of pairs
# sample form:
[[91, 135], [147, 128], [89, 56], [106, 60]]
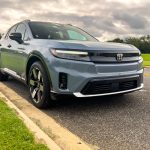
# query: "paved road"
[[111, 123]]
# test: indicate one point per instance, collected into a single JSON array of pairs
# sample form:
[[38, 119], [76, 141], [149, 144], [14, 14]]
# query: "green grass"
[[146, 63], [14, 135], [146, 58]]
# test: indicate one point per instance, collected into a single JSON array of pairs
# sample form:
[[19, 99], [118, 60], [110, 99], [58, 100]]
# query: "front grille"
[[112, 57], [102, 87], [114, 54]]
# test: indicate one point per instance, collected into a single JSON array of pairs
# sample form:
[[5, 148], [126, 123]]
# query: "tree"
[[142, 43], [117, 40]]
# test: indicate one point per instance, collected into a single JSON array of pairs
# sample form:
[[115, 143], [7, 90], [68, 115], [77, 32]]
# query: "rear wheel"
[[39, 85], [3, 77]]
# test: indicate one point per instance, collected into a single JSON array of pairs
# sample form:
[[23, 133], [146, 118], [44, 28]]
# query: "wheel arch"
[[33, 57]]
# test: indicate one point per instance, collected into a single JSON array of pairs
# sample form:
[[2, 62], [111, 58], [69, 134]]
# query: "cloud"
[[133, 21], [103, 19]]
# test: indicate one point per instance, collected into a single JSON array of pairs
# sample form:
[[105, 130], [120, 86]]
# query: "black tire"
[[39, 85], [3, 77]]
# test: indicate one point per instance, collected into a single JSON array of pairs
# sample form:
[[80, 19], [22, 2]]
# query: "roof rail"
[[27, 20]]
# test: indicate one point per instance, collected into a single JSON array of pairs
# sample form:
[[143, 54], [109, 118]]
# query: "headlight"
[[71, 54], [141, 59]]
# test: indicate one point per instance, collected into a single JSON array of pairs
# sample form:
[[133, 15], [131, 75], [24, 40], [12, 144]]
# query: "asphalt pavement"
[[110, 123]]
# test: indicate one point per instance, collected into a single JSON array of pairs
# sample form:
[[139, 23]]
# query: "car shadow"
[[71, 102]]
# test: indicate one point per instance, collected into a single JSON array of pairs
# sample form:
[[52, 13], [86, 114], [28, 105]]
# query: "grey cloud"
[[97, 17], [93, 24], [134, 21]]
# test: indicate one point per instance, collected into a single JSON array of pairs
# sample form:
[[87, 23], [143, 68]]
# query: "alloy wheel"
[[36, 85]]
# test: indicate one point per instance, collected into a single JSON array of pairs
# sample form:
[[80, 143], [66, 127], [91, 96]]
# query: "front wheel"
[[39, 85]]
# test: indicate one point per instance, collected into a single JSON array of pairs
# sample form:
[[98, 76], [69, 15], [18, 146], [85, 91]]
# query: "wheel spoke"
[[38, 96], [34, 92], [34, 73], [39, 76], [32, 82]]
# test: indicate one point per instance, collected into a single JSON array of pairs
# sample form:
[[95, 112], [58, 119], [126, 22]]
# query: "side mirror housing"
[[16, 37]]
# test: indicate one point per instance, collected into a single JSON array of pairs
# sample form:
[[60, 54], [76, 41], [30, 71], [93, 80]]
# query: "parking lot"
[[112, 122]]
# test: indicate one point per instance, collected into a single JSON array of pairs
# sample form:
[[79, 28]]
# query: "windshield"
[[45, 30]]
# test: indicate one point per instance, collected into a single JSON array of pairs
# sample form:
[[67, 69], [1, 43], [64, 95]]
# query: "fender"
[[39, 56]]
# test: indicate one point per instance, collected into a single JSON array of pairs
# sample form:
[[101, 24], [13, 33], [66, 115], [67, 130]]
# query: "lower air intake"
[[102, 87]]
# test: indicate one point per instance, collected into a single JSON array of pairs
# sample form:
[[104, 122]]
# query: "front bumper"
[[80, 73]]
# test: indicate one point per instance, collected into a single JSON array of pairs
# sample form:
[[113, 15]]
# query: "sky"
[[104, 19]]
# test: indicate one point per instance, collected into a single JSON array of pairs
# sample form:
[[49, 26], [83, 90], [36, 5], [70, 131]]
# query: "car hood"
[[88, 46]]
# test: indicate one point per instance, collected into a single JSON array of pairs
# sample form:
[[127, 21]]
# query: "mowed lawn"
[[14, 135], [146, 58]]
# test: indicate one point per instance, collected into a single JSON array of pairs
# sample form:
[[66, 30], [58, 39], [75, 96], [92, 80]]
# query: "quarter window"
[[12, 30]]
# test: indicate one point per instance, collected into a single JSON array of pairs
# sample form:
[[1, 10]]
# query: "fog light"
[[63, 81]]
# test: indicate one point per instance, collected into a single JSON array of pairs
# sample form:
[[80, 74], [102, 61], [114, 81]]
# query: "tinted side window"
[[21, 29]]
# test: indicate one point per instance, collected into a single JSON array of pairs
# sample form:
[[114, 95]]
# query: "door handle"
[[9, 46]]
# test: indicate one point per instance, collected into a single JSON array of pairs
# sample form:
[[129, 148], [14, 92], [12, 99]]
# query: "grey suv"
[[54, 59]]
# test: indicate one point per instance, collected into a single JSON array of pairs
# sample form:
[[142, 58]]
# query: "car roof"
[[55, 23]]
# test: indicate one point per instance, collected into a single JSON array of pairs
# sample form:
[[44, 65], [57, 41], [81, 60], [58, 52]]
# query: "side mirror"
[[16, 37]]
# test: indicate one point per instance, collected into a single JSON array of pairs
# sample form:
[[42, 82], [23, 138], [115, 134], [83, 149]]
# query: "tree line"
[[142, 43]]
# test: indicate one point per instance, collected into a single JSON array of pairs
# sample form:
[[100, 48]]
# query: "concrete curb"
[[38, 133], [147, 67]]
